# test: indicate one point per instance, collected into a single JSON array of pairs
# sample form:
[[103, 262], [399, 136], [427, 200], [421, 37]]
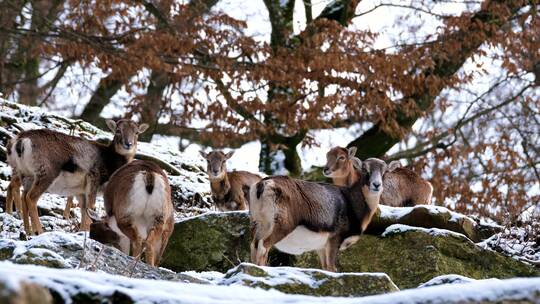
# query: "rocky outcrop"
[[428, 216], [35, 285], [65, 250], [410, 256], [309, 281]]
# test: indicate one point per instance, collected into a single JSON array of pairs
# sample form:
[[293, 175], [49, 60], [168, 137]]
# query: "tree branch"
[[377, 140], [434, 143]]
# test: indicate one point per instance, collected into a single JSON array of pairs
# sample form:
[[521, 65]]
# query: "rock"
[[411, 256], [428, 216], [219, 241], [65, 250], [77, 286], [214, 241], [309, 281], [24, 293]]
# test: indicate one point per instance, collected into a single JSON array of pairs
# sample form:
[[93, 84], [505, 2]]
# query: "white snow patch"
[[400, 228], [68, 282]]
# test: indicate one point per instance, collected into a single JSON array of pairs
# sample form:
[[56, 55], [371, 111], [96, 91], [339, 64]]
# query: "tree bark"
[[269, 159], [152, 103], [106, 89]]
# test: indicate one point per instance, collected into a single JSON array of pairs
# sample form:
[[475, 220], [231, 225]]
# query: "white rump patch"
[[144, 207], [25, 163], [301, 240]]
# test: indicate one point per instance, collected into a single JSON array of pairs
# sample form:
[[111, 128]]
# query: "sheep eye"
[[341, 158]]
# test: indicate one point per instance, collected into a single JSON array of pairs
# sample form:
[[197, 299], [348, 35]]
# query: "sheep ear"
[[143, 127], [352, 152], [357, 163], [204, 155], [111, 124], [394, 165], [93, 215], [229, 155]]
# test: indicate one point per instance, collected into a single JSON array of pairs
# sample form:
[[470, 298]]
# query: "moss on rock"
[[216, 241], [219, 241], [415, 256]]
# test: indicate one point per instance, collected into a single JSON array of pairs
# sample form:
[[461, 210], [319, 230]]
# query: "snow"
[[400, 228], [214, 213], [400, 212], [516, 242], [447, 279], [213, 277], [70, 282], [285, 275]]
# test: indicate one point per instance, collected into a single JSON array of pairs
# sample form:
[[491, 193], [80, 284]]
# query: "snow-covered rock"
[[75, 286], [70, 250], [309, 281], [429, 216], [413, 255], [409, 255], [447, 279]]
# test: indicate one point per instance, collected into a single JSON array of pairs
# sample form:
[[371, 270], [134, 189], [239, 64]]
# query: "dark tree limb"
[[377, 140], [106, 89]]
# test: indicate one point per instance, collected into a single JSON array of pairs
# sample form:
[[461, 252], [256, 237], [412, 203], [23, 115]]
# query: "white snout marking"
[[301, 240]]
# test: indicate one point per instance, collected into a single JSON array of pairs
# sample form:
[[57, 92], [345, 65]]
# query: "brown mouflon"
[[229, 189], [402, 187], [297, 216], [139, 211], [49, 161]]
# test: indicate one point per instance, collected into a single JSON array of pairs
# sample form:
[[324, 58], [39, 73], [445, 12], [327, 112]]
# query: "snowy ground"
[[68, 282]]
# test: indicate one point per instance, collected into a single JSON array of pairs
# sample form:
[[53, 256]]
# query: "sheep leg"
[[164, 240], [322, 257], [331, 249], [40, 183], [131, 232], [26, 214], [67, 209], [152, 242], [89, 202], [9, 196], [16, 193]]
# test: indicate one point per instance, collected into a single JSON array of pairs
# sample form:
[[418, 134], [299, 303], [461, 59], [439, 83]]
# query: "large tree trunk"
[[43, 12], [153, 102], [106, 89], [272, 161]]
